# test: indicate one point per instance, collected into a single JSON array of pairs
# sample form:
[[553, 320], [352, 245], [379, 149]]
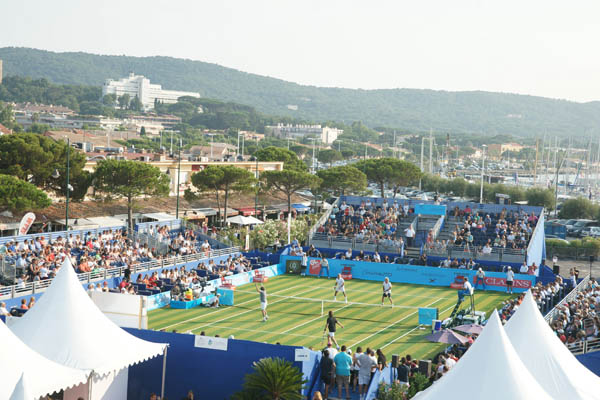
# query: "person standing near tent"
[[480, 277], [331, 325], [263, 301], [387, 291], [510, 276], [340, 287]]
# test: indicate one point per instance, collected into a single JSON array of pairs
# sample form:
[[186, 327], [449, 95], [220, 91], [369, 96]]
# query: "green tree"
[[289, 158], [7, 117], [17, 195], [34, 158], [578, 208], [136, 104], [272, 379], [329, 156], [289, 182], [226, 179], [129, 180], [539, 197], [389, 171], [109, 100], [343, 179], [143, 131], [124, 101]]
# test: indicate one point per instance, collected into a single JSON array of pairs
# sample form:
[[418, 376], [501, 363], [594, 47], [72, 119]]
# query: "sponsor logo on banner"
[[517, 283], [314, 268], [209, 342], [26, 223]]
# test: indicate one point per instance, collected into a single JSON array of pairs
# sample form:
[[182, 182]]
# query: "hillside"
[[413, 109]]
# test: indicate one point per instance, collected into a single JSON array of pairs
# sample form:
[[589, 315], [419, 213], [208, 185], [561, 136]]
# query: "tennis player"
[[263, 301], [340, 287], [387, 291], [330, 325]]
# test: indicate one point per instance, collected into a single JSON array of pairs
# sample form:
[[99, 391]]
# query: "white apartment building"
[[140, 86], [325, 134]]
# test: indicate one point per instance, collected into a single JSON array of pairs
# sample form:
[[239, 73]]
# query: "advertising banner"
[[415, 274], [314, 266], [209, 342], [26, 223]]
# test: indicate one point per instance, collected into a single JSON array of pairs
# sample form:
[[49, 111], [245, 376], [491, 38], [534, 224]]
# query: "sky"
[[544, 48]]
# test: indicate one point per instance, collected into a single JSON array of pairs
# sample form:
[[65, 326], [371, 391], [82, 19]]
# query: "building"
[[140, 86], [325, 134], [496, 150], [213, 152], [4, 130]]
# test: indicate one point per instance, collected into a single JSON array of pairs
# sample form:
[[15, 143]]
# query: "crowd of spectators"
[[40, 258], [506, 230], [368, 223]]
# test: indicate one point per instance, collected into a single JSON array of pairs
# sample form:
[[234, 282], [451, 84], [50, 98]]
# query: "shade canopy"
[[447, 336], [547, 358], [44, 376], [490, 370], [242, 220], [67, 327], [469, 328]]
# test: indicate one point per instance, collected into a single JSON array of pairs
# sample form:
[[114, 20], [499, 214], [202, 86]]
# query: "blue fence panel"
[[209, 373]]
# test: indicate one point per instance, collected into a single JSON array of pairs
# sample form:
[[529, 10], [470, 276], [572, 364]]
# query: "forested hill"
[[413, 109]]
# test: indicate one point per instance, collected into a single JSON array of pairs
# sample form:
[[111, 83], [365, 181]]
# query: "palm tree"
[[272, 379]]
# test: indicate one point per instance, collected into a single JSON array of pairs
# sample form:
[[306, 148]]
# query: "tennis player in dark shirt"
[[330, 325]]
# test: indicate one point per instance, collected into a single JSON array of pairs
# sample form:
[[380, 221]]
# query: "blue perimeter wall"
[[415, 274], [209, 373]]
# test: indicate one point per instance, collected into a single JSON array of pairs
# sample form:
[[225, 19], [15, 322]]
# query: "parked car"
[[593, 231], [579, 225]]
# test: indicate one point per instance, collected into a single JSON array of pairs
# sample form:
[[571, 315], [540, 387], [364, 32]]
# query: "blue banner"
[[430, 209], [420, 275]]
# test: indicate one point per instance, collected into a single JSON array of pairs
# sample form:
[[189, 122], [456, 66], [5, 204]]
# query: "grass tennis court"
[[299, 321]]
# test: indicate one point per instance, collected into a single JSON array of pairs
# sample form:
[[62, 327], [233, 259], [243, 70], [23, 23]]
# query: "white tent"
[[22, 390], [67, 327], [44, 376], [547, 358], [241, 220], [490, 370]]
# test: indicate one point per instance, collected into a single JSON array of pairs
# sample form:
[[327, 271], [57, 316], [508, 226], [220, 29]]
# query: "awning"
[[245, 211], [230, 211], [207, 212], [159, 216]]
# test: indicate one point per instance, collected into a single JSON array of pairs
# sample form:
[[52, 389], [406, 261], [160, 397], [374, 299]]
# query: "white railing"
[[584, 346], [438, 227], [10, 292], [570, 296], [321, 220]]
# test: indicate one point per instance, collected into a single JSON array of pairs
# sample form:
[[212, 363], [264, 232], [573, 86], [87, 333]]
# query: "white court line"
[[392, 324], [242, 313], [222, 309], [409, 332]]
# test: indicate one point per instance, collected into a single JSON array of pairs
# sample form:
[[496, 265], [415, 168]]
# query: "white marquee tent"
[[490, 370], [22, 390], [16, 360], [547, 358], [241, 220], [67, 327]]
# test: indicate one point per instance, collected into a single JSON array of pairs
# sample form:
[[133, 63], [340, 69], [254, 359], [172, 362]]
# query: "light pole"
[[178, 175], [257, 183], [313, 153], [56, 175], [482, 172]]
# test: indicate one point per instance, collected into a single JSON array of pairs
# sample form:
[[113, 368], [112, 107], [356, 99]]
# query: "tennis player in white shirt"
[[340, 286]]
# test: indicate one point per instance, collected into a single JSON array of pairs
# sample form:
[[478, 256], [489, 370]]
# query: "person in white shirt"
[[466, 291], [410, 234], [387, 291], [524, 268], [510, 276], [349, 254], [3, 310], [340, 287], [480, 277], [367, 363], [486, 249]]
